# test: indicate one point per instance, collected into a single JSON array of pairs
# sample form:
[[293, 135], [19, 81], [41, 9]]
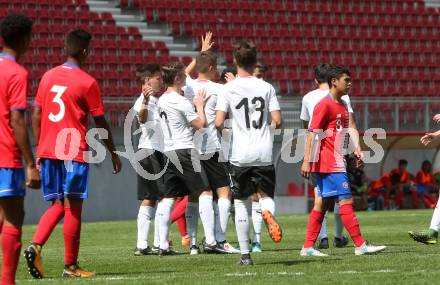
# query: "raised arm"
[[206, 45], [147, 91]]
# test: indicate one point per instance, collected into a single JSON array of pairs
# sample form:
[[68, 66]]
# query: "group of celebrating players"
[[204, 140]]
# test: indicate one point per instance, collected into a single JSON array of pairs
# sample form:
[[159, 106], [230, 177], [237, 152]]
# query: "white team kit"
[[312, 98], [249, 102]]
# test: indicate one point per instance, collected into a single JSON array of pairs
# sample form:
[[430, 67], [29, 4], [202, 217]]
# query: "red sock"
[[179, 209], [72, 232], [313, 228], [432, 200], [47, 223], [415, 199], [399, 199], [11, 246], [351, 223], [426, 201]]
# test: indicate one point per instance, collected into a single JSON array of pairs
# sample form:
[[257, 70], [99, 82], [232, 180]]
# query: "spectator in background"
[[406, 185], [426, 185], [358, 181], [382, 190]]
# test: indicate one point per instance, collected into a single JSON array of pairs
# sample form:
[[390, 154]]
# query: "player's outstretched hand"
[[117, 164], [33, 178], [305, 170], [427, 138], [436, 118], [147, 91], [200, 98], [229, 77], [206, 41]]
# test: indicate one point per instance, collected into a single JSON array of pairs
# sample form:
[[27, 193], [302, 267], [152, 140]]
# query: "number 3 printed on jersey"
[[59, 90]]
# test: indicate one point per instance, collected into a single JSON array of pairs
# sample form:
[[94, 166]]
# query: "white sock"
[[219, 236], [144, 218], [242, 225], [156, 241], [435, 221], [206, 212], [257, 221], [224, 208], [192, 219], [339, 227], [267, 204], [323, 233], [164, 209]]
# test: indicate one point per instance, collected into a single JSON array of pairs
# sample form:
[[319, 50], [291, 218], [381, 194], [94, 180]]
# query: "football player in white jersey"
[[251, 104], [178, 118], [207, 143], [309, 102], [151, 146]]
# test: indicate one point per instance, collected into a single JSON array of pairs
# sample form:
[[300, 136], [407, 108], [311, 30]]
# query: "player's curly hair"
[[147, 70], [245, 54], [336, 71], [76, 41], [170, 71], [14, 28], [204, 60]]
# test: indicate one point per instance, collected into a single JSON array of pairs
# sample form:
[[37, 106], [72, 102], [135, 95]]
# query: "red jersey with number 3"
[[332, 118], [66, 95], [13, 91]]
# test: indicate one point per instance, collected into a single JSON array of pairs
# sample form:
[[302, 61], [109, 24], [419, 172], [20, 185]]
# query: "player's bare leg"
[[13, 215], [45, 227], [267, 205], [145, 215], [72, 234]]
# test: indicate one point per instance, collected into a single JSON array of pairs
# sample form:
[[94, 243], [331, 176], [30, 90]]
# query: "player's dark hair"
[[14, 29], [395, 178], [230, 68], [147, 70], [170, 71], [322, 72], [77, 41], [245, 54], [426, 162], [336, 71], [204, 60], [403, 162]]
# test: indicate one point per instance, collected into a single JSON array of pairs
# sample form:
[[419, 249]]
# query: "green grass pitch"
[[107, 247]]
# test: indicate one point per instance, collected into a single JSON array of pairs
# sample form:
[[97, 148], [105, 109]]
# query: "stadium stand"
[[116, 50], [390, 46]]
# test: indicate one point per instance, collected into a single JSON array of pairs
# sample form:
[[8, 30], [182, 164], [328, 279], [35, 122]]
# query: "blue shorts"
[[421, 189], [12, 182], [60, 182], [333, 185]]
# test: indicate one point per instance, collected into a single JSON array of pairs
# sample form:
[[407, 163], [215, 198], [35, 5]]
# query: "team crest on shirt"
[[345, 185]]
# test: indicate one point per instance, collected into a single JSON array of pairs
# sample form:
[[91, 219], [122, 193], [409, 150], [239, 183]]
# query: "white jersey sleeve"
[[187, 109], [346, 99], [138, 104], [222, 103], [273, 101], [305, 116]]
